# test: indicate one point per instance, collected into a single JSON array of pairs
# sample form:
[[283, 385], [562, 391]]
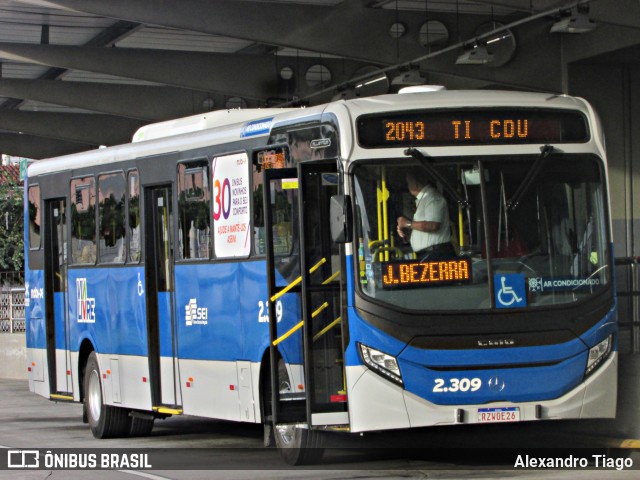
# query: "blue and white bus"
[[246, 265]]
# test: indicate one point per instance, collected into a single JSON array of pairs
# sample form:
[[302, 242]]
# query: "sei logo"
[[195, 315]]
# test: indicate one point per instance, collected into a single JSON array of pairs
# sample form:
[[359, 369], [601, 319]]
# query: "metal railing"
[[628, 286], [11, 279], [12, 310]]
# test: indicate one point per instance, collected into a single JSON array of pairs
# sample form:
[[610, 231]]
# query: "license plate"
[[498, 415]]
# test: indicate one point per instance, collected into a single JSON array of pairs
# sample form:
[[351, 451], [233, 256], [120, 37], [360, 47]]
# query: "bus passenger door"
[[321, 265], [160, 298], [283, 286], [57, 321], [311, 389]]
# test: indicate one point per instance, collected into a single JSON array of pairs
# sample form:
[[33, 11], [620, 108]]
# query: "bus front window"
[[550, 248]]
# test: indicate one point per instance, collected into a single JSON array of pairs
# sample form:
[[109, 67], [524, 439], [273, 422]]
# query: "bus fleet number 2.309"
[[453, 385]]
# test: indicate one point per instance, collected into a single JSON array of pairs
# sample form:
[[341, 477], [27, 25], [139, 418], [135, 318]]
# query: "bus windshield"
[[506, 232]]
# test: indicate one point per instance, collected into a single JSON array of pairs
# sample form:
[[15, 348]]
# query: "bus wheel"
[[299, 446], [284, 387], [105, 421]]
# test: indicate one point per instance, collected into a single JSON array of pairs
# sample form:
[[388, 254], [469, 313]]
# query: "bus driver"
[[430, 235]]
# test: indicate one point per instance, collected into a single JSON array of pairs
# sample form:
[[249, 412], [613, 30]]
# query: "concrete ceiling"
[[77, 74]]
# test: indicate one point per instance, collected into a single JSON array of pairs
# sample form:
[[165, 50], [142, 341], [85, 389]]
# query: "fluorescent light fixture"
[[372, 81], [478, 55], [497, 39], [577, 22]]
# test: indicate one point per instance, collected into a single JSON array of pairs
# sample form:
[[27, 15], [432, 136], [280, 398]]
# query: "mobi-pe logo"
[[195, 315], [32, 293], [86, 305]]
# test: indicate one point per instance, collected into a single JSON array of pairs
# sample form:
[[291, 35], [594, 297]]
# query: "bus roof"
[[203, 121], [464, 98], [198, 131], [170, 136]]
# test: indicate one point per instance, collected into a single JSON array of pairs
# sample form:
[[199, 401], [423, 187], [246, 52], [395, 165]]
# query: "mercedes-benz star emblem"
[[496, 384]]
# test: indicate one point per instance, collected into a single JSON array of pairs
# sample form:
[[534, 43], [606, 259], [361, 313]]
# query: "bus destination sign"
[[272, 158], [471, 127], [412, 273]]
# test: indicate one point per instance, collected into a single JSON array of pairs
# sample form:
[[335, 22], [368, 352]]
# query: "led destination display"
[[471, 127], [412, 273]]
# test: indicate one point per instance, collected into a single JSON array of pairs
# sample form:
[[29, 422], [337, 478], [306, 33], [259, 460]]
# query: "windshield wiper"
[[426, 164], [531, 175]]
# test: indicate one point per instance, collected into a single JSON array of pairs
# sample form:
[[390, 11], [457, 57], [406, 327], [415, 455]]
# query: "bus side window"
[[34, 217], [133, 215], [111, 247], [314, 143], [194, 211], [83, 220]]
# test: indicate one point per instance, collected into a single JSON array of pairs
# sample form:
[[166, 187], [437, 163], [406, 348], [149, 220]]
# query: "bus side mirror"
[[340, 217]]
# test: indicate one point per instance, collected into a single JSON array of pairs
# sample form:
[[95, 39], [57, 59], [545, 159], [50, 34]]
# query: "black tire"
[[299, 446], [105, 421], [268, 438], [141, 427]]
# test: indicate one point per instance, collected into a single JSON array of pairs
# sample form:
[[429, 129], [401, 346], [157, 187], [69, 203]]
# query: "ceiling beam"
[[232, 74], [87, 128], [148, 103], [536, 65], [348, 29], [615, 12], [30, 146], [106, 37], [603, 40], [249, 76], [525, 5], [623, 13]]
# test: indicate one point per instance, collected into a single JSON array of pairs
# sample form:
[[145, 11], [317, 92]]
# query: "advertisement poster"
[[231, 221]]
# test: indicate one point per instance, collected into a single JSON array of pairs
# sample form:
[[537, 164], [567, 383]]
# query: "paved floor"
[[193, 448]]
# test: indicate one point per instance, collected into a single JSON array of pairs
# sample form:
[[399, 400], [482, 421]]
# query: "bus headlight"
[[597, 354], [382, 363]]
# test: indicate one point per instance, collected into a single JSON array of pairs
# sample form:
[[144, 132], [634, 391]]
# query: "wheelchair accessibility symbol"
[[510, 290]]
